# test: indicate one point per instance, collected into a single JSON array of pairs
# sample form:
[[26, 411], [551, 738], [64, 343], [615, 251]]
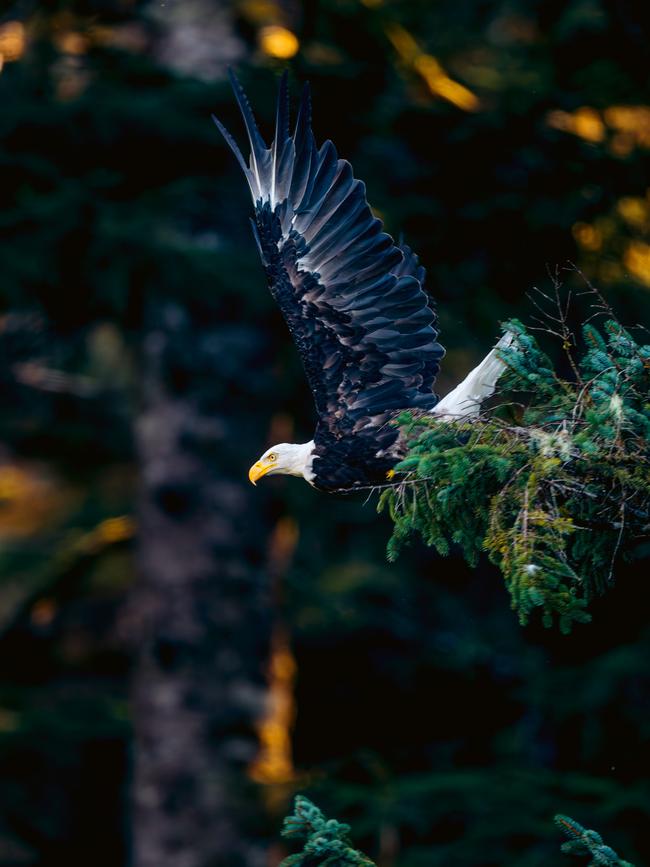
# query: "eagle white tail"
[[465, 400]]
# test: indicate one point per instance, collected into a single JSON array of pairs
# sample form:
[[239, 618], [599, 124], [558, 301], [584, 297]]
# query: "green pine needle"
[[327, 844], [554, 485], [326, 841], [587, 843]]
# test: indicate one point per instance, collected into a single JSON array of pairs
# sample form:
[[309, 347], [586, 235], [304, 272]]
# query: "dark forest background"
[[179, 652]]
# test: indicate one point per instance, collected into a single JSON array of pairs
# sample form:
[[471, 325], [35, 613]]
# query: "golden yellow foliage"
[[637, 260], [586, 123], [430, 70], [71, 42], [12, 41], [588, 237], [624, 126], [635, 211], [30, 500], [278, 41], [274, 763]]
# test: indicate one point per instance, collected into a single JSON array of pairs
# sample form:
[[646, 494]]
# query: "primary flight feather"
[[354, 303]]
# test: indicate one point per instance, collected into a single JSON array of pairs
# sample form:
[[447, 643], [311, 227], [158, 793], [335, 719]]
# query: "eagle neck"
[[307, 461]]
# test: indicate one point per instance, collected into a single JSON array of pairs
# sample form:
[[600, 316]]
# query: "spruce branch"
[[327, 844], [584, 843], [553, 482], [326, 841]]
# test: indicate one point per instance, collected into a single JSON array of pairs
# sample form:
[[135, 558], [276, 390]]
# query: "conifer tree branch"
[[583, 842], [327, 844], [553, 483], [326, 841]]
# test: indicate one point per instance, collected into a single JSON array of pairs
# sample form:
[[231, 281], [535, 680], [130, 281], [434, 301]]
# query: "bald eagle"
[[354, 303]]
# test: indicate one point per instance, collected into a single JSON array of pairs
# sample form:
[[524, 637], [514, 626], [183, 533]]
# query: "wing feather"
[[351, 296]]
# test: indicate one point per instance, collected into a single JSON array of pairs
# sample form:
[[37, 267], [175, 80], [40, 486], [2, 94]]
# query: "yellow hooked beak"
[[258, 470]]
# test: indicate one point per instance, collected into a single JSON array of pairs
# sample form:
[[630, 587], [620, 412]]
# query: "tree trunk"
[[200, 611]]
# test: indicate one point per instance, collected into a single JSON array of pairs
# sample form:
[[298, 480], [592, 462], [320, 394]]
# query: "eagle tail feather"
[[466, 399]]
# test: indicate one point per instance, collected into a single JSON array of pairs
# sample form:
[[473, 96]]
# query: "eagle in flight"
[[354, 302]]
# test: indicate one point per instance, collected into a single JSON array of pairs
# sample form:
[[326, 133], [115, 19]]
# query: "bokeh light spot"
[[12, 41], [637, 260], [586, 123], [277, 41], [588, 237]]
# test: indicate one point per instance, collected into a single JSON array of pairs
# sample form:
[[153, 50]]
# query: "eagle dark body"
[[351, 297]]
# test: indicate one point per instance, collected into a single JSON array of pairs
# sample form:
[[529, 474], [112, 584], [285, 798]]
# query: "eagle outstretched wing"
[[352, 297]]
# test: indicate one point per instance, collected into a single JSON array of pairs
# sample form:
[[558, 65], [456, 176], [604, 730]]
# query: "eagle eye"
[[272, 457]]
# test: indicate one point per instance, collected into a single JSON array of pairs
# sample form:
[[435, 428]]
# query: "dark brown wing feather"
[[352, 298]]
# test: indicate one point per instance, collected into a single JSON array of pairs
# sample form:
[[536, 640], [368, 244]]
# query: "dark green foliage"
[[124, 193], [588, 843], [326, 840], [554, 485]]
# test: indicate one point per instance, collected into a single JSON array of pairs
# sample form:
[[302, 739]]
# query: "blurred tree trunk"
[[200, 612]]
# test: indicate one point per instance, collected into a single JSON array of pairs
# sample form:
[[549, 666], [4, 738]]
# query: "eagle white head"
[[289, 459]]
